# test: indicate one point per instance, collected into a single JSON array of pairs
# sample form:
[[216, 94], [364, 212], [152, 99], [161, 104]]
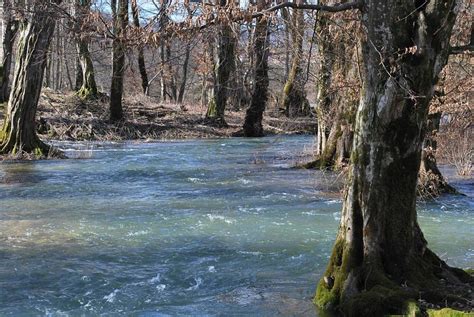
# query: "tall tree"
[[120, 19], [10, 28], [380, 259], [36, 29], [141, 55], [253, 117], [88, 86], [293, 100], [224, 65]]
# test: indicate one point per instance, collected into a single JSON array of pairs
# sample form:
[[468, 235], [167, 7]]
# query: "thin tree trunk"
[[162, 72], [18, 133], [57, 61], [11, 26], [118, 60], [172, 79], [224, 66], [163, 60], [68, 72], [141, 55], [79, 80], [254, 115], [184, 76], [380, 260]]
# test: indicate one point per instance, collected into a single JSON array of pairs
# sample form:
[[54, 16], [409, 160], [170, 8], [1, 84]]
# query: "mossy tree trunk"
[[337, 89], [86, 85], [254, 115], [120, 17], [224, 65], [141, 55], [10, 25], [293, 100], [18, 134], [380, 259]]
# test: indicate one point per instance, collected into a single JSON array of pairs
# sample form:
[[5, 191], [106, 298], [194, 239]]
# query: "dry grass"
[[457, 149]]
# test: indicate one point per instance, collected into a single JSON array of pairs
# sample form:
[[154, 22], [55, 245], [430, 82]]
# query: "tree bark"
[[294, 102], [184, 75], [141, 55], [78, 79], [11, 26], [118, 60], [88, 87], [18, 134], [254, 115], [224, 66], [162, 72], [380, 259]]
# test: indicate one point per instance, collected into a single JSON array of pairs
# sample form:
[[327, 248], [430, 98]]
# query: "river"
[[201, 227]]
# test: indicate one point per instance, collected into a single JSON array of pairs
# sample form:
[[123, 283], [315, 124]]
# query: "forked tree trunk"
[[380, 259], [141, 55], [293, 100], [224, 66], [11, 26], [36, 30], [88, 87], [254, 115], [118, 60]]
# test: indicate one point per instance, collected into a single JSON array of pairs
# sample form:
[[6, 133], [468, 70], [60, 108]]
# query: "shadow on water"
[[20, 173]]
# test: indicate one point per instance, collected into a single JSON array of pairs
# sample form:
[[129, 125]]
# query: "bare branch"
[[305, 6]]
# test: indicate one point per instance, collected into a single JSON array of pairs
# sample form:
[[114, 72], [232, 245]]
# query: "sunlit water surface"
[[206, 228]]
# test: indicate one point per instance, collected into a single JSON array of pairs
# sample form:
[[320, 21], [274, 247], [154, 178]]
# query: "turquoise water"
[[203, 228]]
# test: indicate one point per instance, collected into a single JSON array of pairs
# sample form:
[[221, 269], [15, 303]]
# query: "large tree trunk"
[[224, 66], [10, 25], [253, 117], [18, 134], [88, 87], [294, 102], [380, 260], [141, 55], [118, 59]]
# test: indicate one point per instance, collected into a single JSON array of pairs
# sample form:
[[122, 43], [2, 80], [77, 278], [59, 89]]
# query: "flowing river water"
[[219, 227]]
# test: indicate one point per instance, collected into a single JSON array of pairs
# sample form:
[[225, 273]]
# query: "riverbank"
[[65, 117]]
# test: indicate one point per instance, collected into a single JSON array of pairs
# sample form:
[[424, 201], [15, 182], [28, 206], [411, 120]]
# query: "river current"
[[220, 227]]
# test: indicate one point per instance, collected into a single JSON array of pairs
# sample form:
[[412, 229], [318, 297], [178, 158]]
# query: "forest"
[[208, 158]]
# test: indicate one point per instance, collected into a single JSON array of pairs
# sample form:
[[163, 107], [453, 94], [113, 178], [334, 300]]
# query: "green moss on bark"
[[448, 312]]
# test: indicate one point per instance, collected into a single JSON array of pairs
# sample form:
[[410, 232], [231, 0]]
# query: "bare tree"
[[120, 19], [36, 30]]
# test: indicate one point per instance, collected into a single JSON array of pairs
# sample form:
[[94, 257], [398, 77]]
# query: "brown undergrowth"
[[66, 117]]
